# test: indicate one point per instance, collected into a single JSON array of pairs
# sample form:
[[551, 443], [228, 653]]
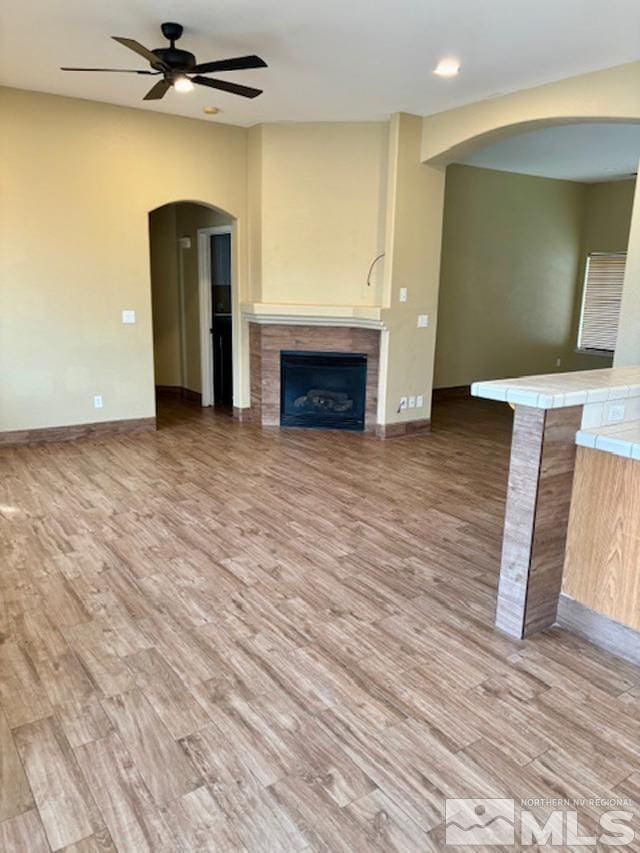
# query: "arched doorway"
[[523, 217], [601, 96], [194, 301]]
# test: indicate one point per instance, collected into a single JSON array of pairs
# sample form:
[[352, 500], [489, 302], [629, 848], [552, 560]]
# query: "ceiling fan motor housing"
[[178, 60]]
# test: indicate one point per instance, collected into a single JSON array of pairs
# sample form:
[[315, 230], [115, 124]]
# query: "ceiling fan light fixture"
[[179, 68], [448, 67], [183, 84]]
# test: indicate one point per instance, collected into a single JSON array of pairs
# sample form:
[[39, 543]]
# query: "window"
[[601, 300]]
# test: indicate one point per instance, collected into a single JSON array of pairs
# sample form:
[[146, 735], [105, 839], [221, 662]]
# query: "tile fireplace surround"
[[265, 344]]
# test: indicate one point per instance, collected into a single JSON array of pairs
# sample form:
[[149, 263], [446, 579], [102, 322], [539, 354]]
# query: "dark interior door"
[[221, 327]]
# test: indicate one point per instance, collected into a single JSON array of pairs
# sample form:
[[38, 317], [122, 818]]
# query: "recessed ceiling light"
[[447, 68], [211, 111]]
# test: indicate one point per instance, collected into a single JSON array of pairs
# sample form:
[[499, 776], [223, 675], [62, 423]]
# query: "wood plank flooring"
[[217, 637]]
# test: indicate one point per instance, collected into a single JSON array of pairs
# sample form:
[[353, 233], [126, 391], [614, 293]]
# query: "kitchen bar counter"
[[560, 390], [621, 439], [551, 414]]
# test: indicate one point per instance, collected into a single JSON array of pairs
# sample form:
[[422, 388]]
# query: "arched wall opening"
[[612, 95], [184, 236], [523, 211]]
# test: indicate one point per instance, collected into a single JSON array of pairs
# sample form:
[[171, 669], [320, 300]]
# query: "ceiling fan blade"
[[235, 64], [113, 70], [140, 49], [225, 86], [158, 91]]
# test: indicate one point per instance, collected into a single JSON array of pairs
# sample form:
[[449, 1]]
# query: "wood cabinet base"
[[599, 629]]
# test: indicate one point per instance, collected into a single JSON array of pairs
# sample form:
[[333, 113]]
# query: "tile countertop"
[[559, 390], [621, 439]]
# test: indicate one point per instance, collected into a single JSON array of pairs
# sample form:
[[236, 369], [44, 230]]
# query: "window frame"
[[593, 350]]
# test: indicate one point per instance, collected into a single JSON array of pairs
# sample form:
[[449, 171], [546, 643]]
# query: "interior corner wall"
[[165, 296], [510, 251], [628, 347], [254, 212], [320, 187], [413, 236], [513, 255], [79, 180], [605, 228]]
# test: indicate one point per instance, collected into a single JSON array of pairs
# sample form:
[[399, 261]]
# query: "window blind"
[[601, 300]]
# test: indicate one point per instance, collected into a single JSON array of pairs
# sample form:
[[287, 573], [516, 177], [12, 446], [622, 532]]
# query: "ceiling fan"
[[180, 69]]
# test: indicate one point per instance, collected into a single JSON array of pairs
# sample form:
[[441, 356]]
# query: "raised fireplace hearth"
[[323, 390]]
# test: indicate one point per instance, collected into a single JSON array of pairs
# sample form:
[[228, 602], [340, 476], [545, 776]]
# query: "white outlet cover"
[[419, 401], [97, 401], [423, 321], [404, 294], [615, 413], [403, 403], [128, 316], [412, 402]]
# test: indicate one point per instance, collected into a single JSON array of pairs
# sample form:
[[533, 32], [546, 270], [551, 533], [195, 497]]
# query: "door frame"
[[206, 308]]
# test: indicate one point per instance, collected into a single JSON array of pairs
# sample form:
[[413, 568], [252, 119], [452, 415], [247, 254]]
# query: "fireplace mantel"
[[276, 313]]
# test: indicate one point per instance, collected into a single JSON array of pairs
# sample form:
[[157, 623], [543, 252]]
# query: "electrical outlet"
[[403, 403], [423, 321], [419, 401], [128, 316], [412, 402], [558, 362], [404, 294], [615, 413], [97, 401]]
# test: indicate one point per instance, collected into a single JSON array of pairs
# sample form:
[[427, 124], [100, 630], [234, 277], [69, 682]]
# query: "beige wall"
[[322, 199], [175, 290], [513, 254], [413, 235], [78, 182], [320, 188]]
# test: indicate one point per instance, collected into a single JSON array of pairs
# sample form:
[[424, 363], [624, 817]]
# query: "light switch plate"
[[128, 316], [419, 401], [97, 401], [404, 294], [423, 321]]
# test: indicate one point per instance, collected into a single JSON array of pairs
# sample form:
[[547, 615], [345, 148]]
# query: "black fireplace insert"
[[323, 390]]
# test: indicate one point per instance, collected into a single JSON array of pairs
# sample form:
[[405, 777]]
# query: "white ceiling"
[[329, 60], [576, 152]]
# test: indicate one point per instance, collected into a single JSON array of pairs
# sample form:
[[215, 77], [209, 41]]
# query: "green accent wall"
[[512, 270]]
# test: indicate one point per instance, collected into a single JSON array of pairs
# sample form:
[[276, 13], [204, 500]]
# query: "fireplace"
[[323, 390]]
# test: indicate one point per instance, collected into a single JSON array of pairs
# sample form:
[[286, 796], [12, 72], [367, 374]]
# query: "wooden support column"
[[543, 453]]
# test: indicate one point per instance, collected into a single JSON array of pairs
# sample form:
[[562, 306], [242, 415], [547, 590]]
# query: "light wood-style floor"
[[218, 637]]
